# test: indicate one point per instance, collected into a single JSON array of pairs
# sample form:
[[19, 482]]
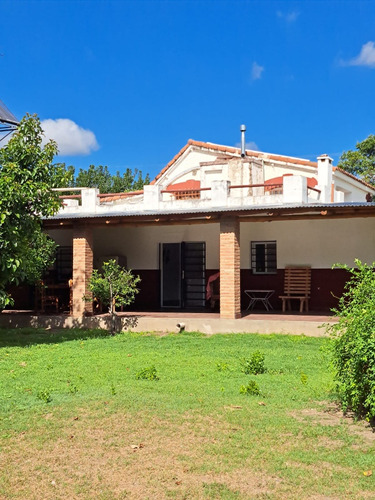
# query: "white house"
[[216, 208]]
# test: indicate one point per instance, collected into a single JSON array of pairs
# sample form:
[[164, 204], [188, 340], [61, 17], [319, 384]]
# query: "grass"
[[78, 420]]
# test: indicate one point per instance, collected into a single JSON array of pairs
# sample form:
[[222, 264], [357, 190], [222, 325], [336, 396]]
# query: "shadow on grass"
[[25, 330], [25, 337]]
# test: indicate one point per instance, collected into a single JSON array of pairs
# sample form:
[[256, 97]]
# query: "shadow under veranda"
[[26, 337], [24, 330]]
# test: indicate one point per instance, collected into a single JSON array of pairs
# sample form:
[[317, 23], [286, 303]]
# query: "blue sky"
[[127, 83]]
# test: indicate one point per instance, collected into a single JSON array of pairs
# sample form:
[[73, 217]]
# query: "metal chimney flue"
[[243, 130]]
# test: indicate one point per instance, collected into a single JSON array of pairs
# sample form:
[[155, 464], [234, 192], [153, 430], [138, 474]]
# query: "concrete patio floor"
[[309, 324]]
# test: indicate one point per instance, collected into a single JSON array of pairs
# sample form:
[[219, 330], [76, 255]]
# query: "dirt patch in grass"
[[124, 457], [331, 415]]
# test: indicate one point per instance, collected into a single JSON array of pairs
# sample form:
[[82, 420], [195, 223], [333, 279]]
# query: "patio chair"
[[213, 289], [297, 286]]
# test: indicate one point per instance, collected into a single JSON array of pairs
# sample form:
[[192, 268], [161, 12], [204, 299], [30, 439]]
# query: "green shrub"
[[353, 342], [254, 365], [252, 388], [44, 395], [148, 373], [304, 378], [222, 366]]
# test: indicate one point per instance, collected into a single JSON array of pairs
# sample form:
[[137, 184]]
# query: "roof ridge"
[[252, 152]]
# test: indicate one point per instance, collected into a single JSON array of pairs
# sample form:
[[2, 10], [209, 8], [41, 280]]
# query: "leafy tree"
[[26, 178], [353, 342], [362, 161], [114, 287], [100, 177], [68, 180]]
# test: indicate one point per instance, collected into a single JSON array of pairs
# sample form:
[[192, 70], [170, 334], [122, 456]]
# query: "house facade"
[[217, 209]]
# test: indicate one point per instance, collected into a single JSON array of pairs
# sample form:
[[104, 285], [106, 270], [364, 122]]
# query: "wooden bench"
[[297, 286]]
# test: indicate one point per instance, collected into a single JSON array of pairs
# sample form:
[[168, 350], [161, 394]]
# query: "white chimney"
[[325, 178]]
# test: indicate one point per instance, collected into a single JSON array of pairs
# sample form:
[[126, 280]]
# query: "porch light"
[[156, 220], [61, 223], [323, 212], [107, 221]]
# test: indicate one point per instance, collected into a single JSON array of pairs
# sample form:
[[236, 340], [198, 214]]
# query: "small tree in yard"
[[353, 342], [114, 287]]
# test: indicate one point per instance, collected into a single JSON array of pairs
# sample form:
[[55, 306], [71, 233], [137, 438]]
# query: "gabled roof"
[[236, 152]]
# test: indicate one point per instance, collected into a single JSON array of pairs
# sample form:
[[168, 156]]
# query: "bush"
[[148, 373], [44, 395], [254, 365], [251, 389], [353, 342]]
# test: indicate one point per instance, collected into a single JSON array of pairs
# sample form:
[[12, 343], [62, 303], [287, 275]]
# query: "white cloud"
[[256, 71], [71, 138], [365, 58], [289, 17], [248, 145]]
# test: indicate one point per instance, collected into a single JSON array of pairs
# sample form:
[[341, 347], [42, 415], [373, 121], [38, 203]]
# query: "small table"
[[262, 296]]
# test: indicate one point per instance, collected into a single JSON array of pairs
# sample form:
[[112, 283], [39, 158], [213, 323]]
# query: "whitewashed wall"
[[272, 170], [63, 237], [319, 243], [140, 245]]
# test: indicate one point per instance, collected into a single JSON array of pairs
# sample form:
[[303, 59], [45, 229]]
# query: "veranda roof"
[[214, 214]]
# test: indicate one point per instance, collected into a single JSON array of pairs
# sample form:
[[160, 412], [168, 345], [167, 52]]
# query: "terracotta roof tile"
[[107, 197], [257, 154]]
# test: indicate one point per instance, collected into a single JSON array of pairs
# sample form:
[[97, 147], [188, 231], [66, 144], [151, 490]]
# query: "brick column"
[[230, 289], [82, 269]]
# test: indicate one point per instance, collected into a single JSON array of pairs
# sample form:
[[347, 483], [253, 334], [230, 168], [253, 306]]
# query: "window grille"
[[186, 195], [263, 257]]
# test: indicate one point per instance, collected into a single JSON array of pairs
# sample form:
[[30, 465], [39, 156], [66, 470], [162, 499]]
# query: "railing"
[[255, 186], [89, 199], [192, 192], [313, 189], [123, 194]]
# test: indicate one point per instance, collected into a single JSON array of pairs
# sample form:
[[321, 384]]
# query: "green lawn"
[[76, 422]]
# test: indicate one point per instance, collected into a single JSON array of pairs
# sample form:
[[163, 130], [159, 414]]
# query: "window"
[[263, 257]]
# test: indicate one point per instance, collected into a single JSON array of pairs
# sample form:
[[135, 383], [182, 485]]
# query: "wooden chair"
[[46, 300], [297, 286]]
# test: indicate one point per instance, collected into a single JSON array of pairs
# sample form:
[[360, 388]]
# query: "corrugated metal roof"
[[6, 116], [212, 210]]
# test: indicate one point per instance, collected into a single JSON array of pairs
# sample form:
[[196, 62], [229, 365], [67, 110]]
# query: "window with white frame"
[[263, 257]]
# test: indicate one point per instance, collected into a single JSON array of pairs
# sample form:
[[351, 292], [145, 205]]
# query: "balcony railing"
[[219, 194]]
